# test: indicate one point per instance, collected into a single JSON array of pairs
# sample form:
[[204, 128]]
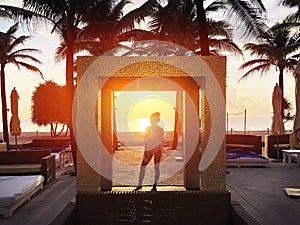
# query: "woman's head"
[[155, 117]]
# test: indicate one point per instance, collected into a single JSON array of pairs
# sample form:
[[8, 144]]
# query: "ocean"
[[28, 126], [253, 124], [236, 124]]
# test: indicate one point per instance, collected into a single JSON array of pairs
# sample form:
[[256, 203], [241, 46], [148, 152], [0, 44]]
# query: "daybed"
[[243, 158], [242, 141], [28, 163], [272, 142], [15, 190]]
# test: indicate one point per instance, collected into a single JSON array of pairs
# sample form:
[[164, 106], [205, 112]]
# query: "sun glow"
[[143, 124], [134, 108]]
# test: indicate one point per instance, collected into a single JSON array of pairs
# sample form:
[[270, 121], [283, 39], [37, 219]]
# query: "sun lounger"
[[15, 190], [243, 158], [28, 163], [244, 141]]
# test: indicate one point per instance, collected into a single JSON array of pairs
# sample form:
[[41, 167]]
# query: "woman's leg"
[[146, 159], [157, 158]]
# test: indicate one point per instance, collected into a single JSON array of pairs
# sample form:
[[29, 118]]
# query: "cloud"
[[240, 99]]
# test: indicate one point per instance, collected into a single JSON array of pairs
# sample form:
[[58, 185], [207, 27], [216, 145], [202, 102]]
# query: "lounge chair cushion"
[[20, 168], [239, 146]]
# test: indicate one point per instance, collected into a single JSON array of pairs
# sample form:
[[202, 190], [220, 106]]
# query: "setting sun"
[[133, 109], [143, 123]]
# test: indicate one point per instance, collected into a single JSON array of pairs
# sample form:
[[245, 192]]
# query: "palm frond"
[[219, 28], [25, 16], [258, 49], [98, 30], [49, 9], [117, 11], [5, 15], [253, 62], [25, 57], [291, 64], [260, 68], [165, 17], [79, 46], [215, 7], [291, 3], [138, 35], [225, 45], [29, 67], [296, 56], [294, 17], [247, 16], [138, 15], [16, 42], [13, 29]]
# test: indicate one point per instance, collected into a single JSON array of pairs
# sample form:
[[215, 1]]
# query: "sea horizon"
[[235, 124]]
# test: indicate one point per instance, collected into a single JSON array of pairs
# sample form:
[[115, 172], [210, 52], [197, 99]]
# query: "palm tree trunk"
[[70, 90], [281, 86], [202, 26], [4, 107]]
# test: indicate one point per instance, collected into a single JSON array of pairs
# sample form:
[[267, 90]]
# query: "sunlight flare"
[[143, 124]]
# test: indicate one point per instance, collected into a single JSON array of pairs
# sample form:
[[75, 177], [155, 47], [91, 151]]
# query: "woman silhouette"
[[154, 138]]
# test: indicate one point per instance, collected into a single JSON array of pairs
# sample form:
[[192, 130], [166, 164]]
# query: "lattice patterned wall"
[[213, 178]]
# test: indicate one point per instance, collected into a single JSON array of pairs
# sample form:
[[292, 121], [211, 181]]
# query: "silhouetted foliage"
[[278, 48], [50, 106], [10, 52], [287, 110]]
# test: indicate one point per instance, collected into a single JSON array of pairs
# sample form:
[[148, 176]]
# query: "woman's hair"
[[155, 117], [156, 114]]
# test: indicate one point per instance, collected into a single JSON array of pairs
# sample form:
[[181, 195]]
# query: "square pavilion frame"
[[112, 73]]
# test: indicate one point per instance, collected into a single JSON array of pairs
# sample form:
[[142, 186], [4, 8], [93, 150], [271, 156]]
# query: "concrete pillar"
[[191, 173], [106, 137]]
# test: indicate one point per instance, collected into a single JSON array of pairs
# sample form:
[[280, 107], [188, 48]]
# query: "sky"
[[253, 94]]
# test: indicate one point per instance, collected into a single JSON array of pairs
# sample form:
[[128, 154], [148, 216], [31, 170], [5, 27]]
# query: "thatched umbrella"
[[14, 125]]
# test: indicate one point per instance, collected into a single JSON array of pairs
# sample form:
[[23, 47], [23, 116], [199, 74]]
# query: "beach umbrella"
[[14, 125], [277, 127], [277, 121], [295, 135]]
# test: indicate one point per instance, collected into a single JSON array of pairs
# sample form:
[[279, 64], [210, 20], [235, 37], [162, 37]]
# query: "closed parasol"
[[14, 125], [277, 122], [295, 135], [277, 127]]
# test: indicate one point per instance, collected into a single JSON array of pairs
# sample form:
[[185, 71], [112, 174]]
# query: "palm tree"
[[202, 27], [293, 3], [275, 48], [185, 18], [177, 22], [105, 29], [10, 53], [243, 14], [66, 17], [189, 18]]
